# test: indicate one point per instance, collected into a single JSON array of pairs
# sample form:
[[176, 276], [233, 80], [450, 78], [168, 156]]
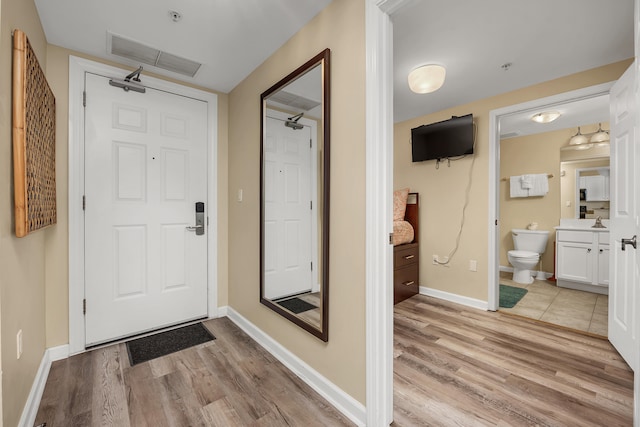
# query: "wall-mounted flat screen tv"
[[442, 140]]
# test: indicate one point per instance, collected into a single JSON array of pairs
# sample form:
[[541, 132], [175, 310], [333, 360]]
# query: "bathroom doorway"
[[521, 149]]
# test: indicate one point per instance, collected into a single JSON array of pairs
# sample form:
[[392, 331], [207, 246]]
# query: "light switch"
[[568, 203], [240, 195]]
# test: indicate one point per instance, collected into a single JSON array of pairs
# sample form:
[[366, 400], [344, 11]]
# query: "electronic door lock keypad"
[[200, 226]]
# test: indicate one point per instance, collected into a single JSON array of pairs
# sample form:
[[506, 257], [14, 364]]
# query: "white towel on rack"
[[526, 182], [540, 185], [515, 187]]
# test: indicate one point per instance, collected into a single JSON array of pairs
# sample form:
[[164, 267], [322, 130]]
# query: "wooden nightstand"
[[405, 271]]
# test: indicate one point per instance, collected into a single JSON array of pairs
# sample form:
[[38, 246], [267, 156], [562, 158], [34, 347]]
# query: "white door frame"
[[379, 216], [494, 171], [77, 69]]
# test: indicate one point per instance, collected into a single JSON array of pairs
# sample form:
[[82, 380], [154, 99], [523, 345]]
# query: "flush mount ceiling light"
[[427, 78], [578, 138], [601, 136], [545, 117]]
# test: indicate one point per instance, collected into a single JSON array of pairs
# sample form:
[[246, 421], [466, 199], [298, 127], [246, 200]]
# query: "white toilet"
[[529, 245]]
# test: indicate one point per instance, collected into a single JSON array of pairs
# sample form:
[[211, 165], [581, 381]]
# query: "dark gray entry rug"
[[296, 305], [154, 346]]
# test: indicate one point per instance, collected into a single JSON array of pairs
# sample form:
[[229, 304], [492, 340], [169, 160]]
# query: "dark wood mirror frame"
[[322, 59]]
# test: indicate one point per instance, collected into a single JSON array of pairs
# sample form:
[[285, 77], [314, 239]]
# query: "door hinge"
[[496, 222], [311, 265], [84, 306], [311, 204], [391, 238], [84, 98], [311, 143], [84, 202]]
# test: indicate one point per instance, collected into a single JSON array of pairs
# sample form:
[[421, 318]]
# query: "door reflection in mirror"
[[294, 196]]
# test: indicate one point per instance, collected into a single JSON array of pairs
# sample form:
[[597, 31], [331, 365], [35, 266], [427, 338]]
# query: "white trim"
[[379, 190], [392, 6], [494, 171], [32, 404], [343, 402], [77, 69], [458, 299], [222, 312]]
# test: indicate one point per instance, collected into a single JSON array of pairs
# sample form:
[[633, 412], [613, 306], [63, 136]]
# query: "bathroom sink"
[[580, 228], [581, 224]]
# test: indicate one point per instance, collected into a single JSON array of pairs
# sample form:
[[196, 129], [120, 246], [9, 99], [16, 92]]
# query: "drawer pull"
[[409, 283], [409, 256]]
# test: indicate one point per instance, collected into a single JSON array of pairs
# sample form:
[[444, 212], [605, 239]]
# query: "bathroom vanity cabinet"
[[582, 260]]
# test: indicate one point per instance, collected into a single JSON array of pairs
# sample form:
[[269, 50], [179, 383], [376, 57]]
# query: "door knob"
[[631, 241]]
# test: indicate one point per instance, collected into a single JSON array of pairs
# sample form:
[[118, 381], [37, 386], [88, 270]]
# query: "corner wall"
[[442, 191], [341, 28], [22, 260]]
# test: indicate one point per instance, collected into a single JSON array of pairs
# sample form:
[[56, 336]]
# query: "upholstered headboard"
[[411, 214]]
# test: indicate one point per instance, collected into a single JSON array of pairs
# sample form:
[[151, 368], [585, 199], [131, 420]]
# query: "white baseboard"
[[343, 402], [30, 410], [222, 311], [458, 299]]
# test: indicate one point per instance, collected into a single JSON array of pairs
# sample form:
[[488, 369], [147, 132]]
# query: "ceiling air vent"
[[297, 102], [509, 135], [139, 52]]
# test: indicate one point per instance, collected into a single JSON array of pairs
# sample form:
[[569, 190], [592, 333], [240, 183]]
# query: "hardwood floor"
[[230, 381], [455, 365]]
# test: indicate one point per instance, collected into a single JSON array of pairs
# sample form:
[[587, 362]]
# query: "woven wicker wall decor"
[[34, 141]]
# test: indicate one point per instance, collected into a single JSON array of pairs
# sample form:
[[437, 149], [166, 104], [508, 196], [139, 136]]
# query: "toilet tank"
[[530, 240]]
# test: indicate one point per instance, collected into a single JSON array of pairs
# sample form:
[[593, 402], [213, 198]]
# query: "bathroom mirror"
[[584, 188], [294, 197]]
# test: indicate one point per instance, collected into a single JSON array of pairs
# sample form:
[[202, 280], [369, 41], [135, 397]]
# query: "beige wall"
[[531, 154], [339, 27], [442, 191], [22, 261], [57, 249]]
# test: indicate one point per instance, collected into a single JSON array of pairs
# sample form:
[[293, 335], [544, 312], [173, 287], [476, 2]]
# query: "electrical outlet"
[[19, 344], [473, 265]]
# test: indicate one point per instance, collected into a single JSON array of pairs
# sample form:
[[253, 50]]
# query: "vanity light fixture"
[[578, 138], [545, 117], [427, 78], [601, 136]]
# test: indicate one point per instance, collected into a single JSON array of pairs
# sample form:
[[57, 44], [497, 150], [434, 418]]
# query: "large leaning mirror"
[[294, 198]]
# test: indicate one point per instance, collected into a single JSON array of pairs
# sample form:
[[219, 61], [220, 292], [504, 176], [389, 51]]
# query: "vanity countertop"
[[582, 225], [584, 228]]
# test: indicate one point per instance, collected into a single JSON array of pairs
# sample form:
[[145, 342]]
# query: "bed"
[[406, 249]]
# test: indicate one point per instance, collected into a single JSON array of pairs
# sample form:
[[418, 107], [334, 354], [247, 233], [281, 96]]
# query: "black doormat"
[[296, 305], [147, 348]]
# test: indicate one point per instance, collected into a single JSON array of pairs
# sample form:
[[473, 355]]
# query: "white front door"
[[624, 276], [287, 210], [145, 170]]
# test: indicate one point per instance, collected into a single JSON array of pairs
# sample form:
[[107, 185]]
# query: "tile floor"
[[584, 311]]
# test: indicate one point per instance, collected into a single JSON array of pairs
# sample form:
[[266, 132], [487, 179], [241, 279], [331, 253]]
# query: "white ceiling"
[[231, 38], [543, 40]]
